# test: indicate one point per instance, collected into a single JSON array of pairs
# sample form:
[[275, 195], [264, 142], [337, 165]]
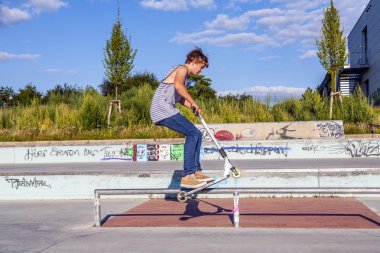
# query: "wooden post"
[[118, 106]]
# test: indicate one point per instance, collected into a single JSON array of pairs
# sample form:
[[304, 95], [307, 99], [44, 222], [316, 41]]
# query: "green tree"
[[331, 47], [7, 95], [27, 95], [141, 78], [202, 87], [62, 94], [118, 58]]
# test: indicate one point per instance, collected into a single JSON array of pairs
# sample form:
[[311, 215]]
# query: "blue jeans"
[[193, 141]]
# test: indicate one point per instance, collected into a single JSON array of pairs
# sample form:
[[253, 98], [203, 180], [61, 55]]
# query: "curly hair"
[[196, 55]]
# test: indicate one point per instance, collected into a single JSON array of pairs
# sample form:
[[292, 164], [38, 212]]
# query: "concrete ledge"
[[82, 186], [328, 129]]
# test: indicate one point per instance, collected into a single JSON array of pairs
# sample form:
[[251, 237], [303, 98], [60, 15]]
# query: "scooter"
[[229, 169]]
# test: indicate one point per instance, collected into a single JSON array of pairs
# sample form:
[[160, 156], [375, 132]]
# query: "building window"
[[365, 45], [365, 88]]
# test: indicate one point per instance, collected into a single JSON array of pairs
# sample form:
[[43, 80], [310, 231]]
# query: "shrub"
[[93, 113]]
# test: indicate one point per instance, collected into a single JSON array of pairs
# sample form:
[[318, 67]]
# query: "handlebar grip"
[[195, 110]]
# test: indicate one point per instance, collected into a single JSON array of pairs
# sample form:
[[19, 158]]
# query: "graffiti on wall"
[[246, 133], [282, 133], [106, 153], [330, 130], [251, 149], [226, 135], [357, 148], [167, 152], [314, 148], [128, 152], [275, 130], [205, 134], [17, 183]]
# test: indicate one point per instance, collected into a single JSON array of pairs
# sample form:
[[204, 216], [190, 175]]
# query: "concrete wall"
[[243, 141], [82, 186], [236, 149], [277, 130]]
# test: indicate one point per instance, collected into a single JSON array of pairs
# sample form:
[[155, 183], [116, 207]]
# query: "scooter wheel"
[[181, 197], [236, 173]]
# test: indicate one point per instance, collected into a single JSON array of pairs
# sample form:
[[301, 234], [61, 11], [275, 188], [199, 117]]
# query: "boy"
[[163, 112]]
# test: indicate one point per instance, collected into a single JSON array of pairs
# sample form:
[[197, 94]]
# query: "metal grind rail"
[[235, 193]]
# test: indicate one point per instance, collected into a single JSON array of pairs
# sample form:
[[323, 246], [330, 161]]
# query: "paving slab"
[[342, 213]]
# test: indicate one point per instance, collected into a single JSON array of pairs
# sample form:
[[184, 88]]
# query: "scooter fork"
[[229, 169]]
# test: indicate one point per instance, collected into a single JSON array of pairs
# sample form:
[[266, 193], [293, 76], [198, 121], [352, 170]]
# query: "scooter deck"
[[189, 192]]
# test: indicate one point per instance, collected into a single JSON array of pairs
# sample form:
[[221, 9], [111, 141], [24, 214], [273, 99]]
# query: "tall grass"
[[85, 115]]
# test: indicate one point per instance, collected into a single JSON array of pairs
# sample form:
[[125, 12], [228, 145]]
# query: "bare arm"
[[186, 103], [179, 85]]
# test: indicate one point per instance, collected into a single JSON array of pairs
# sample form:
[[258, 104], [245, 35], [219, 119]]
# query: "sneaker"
[[189, 181], [201, 177]]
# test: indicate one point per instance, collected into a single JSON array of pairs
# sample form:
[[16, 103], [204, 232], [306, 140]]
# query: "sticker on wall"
[[141, 153], [153, 152], [164, 151], [176, 152], [129, 151]]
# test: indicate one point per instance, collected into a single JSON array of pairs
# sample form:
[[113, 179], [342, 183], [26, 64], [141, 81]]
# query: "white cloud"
[[9, 16], [299, 4], [222, 21], [250, 39], [217, 37], [5, 56], [308, 54], [27, 9], [201, 3], [262, 91], [270, 57], [287, 22], [235, 4], [39, 6], [100, 1], [53, 71], [71, 72], [183, 38], [176, 5]]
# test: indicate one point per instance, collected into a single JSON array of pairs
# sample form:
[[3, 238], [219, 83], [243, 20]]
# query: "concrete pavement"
[[66, 226]]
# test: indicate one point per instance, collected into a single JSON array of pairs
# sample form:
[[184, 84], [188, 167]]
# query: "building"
[[363, 64]]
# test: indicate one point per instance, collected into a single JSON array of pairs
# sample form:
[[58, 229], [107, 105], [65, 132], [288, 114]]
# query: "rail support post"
[[97, 213], [236, 210]]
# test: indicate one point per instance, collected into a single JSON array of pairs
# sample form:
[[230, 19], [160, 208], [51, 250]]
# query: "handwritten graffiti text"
[[330, 130], [254, 150], [31, 183]]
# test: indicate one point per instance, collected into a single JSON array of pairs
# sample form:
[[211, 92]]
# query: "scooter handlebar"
[[195, 110]]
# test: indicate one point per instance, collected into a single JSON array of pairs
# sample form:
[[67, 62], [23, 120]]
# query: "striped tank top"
[[164, 100]]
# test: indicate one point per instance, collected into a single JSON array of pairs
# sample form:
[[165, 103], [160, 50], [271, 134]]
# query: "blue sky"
[[254, 46]]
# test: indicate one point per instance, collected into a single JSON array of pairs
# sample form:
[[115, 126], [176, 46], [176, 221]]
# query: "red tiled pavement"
[[254, 212]]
